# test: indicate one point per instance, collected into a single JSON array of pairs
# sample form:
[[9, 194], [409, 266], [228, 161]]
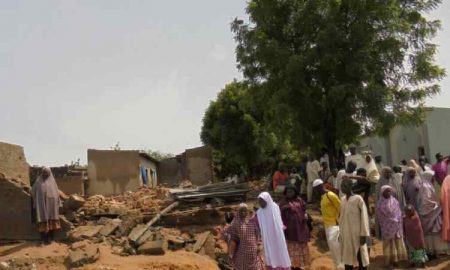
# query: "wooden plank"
[[200, 241], [143, 229]]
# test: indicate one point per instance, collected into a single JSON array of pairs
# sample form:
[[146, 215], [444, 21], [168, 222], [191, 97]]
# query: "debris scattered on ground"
[[157, 247], [85, 232], [145, 200], [73, 203], [109, 227], [185, 184], [82, 253], [201, 239]]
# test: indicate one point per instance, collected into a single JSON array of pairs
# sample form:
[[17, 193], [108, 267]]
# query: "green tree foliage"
[[234, 128], [332, 70]]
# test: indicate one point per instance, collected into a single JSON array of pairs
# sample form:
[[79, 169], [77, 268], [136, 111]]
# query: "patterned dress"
[[391, 224], [296, 232], [245, 234], [48, 226]]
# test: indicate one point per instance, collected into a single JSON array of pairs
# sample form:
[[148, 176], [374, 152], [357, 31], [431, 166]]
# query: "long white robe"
[[353, 223], [271, 225], [373, 176], [312, 170]]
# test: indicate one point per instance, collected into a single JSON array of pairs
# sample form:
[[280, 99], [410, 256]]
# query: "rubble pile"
[[155, 241], [145, 200], [257, 186], [128, 223], [131, 223]]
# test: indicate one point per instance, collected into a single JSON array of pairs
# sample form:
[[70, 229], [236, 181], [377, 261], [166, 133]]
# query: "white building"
[[405, 142]]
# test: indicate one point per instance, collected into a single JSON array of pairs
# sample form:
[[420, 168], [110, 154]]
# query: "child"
[[414, 238]]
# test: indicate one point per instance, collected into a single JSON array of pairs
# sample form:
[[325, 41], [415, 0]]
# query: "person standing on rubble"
[[46, 203], [271, 227], [243, 241]]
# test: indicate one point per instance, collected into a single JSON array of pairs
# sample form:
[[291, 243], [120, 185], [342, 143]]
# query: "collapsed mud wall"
[[13, 163], [194, 164], [169, 172], [15, 210], [198, 166]]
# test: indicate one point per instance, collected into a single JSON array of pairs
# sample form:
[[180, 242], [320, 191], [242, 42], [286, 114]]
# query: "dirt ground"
[[54, 257], [31, 255]]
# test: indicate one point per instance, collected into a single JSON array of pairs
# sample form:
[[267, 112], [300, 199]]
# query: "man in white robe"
[[354, 229], [312, 171]]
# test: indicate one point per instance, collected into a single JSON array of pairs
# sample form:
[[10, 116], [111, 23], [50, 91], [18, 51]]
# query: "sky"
[[86, 74]]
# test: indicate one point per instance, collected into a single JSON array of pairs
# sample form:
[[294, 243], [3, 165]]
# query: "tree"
[[233, 127], [340, 68]]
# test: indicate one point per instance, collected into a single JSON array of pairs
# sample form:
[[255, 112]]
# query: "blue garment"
[[144, 175]]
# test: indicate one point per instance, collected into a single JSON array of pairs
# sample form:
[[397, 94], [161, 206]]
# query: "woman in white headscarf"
[[271, 226], [45, 195]]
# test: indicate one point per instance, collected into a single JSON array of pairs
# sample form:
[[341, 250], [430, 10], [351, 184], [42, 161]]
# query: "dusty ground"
[[53, 257]]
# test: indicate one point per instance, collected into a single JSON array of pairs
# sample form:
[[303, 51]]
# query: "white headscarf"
[[275, 248], [243, 205], [373, 175]]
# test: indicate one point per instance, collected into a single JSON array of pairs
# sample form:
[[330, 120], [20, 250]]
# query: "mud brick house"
[[13, 163], [117, 171], [70, 179], [194, 164]]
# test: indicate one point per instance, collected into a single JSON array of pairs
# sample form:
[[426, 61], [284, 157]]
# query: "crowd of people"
[[410, 206]]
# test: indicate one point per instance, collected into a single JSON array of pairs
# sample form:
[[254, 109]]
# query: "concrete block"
[[74, 203], [147, 236], [176, 243], [83, 255], [153, 247], [137, 232], [84, 232], [66, 227], [110, 227]]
